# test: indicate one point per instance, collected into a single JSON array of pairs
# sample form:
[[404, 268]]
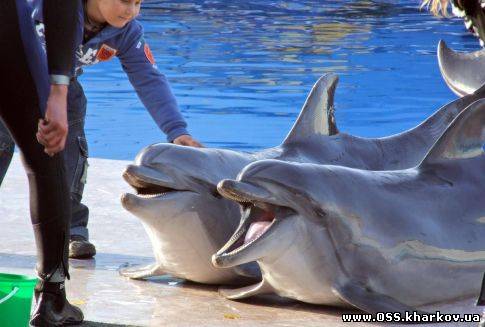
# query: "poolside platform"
[[110, 300]]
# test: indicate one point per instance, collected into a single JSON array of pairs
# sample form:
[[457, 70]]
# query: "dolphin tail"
[[140, 271], [369, 301], [317, 115], [464, 137], [244, 292]]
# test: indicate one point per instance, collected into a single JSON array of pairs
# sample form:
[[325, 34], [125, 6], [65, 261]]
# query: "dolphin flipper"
[[140, 271], [250, 270], [247, 291], [369, 301]]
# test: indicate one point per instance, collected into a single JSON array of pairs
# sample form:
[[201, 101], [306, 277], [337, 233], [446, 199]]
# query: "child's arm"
[[150, 85]]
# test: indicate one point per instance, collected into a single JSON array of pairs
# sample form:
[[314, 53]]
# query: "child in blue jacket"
[[106, 28]]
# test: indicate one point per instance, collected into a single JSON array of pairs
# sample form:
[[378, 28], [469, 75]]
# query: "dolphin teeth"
[[150, 196], [238, 235], [233, 242], [236, 197], [226, 189]]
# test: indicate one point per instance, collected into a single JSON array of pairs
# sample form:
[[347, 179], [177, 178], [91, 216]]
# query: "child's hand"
[[188, 141]]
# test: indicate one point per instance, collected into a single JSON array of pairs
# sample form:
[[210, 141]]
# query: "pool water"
[[241, 70]]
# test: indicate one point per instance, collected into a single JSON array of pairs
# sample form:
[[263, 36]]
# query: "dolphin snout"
[[128, 201], [227, 261], [217, 261], [242, 192]]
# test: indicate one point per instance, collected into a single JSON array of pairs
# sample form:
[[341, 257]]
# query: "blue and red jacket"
[[128, 44]]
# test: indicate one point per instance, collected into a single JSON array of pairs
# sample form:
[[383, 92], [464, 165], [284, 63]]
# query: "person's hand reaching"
[[187, 140]]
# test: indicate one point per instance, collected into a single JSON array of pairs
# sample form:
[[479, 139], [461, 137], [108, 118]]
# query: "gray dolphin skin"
[[463, 72], [187, 220], [381, 241]]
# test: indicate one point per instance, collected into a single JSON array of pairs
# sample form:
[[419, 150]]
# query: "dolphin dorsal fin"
[[461, 70], [317, 115], [464, 137]]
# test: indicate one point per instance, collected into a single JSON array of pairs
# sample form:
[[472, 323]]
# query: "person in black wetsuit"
[[33, 103]]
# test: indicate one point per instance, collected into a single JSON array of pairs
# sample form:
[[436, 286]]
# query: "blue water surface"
[[241, 70]]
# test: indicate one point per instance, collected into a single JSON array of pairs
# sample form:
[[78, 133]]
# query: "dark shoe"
[[81, 248], [52, 308]]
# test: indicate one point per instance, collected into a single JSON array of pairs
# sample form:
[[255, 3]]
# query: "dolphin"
[[380, 241], [462, 72], [187, 220]]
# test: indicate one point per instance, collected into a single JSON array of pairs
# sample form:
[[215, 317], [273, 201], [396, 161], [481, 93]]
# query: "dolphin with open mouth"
[[184, 216], [464, 73], [187, 220], [381, 241]]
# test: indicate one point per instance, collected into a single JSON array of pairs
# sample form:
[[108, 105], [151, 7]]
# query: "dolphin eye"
[[320, 212], [216, 194]]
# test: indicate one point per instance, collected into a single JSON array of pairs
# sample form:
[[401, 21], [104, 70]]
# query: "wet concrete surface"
[[110, 300]]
